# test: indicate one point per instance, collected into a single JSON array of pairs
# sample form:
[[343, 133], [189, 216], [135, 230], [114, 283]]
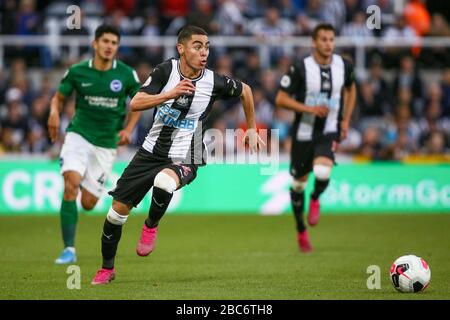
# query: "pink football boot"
[[147, 241], [303, 241], [314, 212], [104, 276]]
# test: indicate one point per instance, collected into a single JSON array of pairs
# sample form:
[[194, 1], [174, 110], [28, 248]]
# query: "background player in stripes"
[[320, 88], [102, 85], [182, 91]]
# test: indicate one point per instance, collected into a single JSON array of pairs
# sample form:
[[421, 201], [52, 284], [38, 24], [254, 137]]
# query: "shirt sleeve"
[[349, 73], [227, 87], [67, 85], [290, 82], [135, 84], [157, 79]]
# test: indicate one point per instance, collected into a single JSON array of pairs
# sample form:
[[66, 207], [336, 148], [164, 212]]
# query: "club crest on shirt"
[[115, 85], [183, 101], [285, 81]]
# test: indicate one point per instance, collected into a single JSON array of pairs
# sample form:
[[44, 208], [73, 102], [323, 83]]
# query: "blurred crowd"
[[403, 104]]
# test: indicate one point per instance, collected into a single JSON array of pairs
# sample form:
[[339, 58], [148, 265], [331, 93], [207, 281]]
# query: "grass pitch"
[[227, 257]]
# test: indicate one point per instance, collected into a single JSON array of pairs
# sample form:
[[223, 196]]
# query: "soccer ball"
[[410, 274]]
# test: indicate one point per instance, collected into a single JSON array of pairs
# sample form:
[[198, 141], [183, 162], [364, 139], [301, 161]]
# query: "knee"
[[165, 182], [116, 218], [88, 204], [70, 189], [299, 186], [322, 172], [121, 208]]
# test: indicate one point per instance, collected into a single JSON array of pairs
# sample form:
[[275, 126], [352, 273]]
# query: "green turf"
[[227, 257]]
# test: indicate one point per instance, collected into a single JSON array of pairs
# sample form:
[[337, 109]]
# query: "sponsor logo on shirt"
[[104, 102], [318, 99], [169, 117]]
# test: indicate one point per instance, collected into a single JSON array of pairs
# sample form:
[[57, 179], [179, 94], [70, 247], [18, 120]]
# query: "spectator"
[[445, 88], [288, 9], [151, 28], [126, 6], [14, 127], [37, 137], [402, 136], [335, 13], [8, 17], [371, 144], [202, 16], [282, 120], [250, 71], [170, 10], [229, 18], [436, 143], [417, 16], [398, 30], [272, 25], [408, 78], [439, 26], [433, 121], [357, 27]]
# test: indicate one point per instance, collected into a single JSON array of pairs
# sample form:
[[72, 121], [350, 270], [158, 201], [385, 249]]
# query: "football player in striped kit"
[[182, 91], [320, 89]]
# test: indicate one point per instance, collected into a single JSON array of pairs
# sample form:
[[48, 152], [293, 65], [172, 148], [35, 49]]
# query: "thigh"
[[326, 147], [186, 173], [136, 180], [98, 170], [74, 154], [302, 155]]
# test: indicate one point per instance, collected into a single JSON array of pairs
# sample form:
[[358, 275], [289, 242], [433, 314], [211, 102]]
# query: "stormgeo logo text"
[[169, 116]]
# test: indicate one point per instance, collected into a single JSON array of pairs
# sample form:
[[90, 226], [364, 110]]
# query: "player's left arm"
[[132, 117], [251, 136], [349, 106], [126, 132], [349, 98]]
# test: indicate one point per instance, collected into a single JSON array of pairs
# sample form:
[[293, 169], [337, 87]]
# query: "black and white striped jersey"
[[178, 126], [314, 84]]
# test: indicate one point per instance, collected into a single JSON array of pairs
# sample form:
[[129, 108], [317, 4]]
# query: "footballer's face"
[[324, 43], [195, 51], [106, 46]]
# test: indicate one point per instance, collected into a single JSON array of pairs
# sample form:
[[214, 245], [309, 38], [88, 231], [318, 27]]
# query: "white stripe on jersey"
[[312, 75], [337, 75], [152, 136], [182, 138], [313, 86]]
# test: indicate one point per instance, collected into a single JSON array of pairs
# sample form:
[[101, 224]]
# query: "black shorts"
[[139, 175], [303, 153]]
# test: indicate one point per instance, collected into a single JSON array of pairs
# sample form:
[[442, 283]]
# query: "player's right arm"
[[290, 84], [151, 94], [143, 100], [65, 89], [56, 105]]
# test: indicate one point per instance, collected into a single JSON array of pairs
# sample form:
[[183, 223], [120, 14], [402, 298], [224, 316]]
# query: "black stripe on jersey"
[[349, 79], [300, 96], [164, 141], [158, 78], [198, 151]]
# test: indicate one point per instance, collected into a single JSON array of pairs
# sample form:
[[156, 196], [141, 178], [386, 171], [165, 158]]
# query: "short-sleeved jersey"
[[314, 84], [178, 126], [100, 107]]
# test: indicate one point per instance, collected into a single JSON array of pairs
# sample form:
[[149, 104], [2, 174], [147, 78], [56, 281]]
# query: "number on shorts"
[[102, 179]]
